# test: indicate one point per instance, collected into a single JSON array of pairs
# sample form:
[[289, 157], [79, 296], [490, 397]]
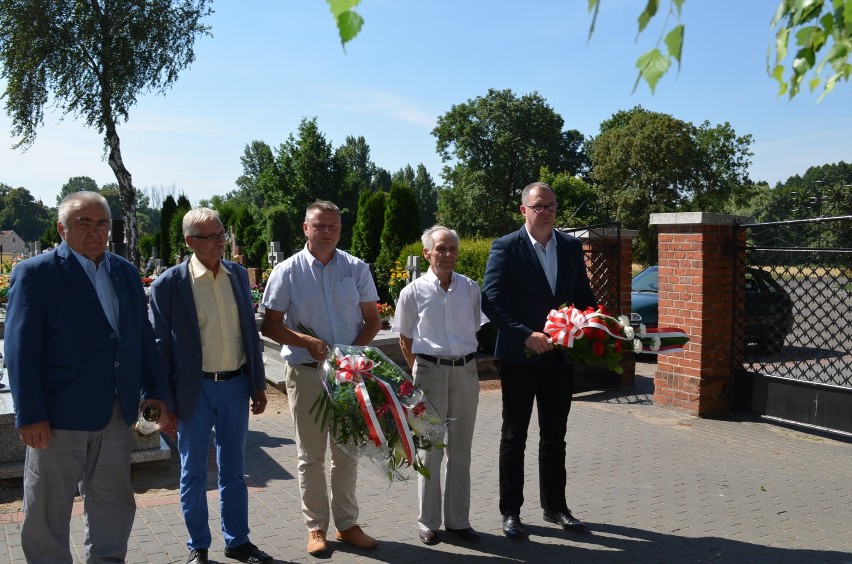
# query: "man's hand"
[[36, 435], [539, 343], [167, 421], [258, 403], [317, 348]]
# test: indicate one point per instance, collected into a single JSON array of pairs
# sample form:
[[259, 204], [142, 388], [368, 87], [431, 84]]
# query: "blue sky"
[[271, 63]]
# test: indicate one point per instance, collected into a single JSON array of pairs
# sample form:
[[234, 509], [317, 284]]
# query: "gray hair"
[[525, 193], [76, 200], [322, 206], [198, 215], [429, 242]]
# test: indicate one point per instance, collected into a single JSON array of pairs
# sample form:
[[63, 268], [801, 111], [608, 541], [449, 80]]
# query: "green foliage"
[[348, 21], [280, 227], [401, 226], [647, 162], [20, 212], [167, 213], [77, 184], [367, 232], [499, 142]]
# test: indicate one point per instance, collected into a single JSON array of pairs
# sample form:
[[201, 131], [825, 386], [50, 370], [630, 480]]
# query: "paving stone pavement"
[[653, 486]]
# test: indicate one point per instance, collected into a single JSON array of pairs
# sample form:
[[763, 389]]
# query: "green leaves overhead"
[[348, 21], [818, 26]]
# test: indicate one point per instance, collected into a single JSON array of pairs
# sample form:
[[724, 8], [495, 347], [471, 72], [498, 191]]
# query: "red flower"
[[598, 348], [383, 409], [617, 345], [418, 409], [406, 389]]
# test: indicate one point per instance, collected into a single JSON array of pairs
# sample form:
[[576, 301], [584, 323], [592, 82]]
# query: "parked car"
[[768, 307]]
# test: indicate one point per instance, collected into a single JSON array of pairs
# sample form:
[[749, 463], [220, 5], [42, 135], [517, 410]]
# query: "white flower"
[[643, 330], [628, 332], [655, 344], [417, 425], [624, 320], [637, 346]]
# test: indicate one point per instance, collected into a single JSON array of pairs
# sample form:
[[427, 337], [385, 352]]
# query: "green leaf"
[[781, 39], [348, 21], [649, 12], [349, 24], [595, 8], [814, 82], [674, 42], [652, 65]]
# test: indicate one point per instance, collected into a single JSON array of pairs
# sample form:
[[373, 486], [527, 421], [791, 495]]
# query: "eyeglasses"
[[215, 237], [540, 208]]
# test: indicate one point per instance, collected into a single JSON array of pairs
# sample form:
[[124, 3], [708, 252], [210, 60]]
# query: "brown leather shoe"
[[356, 537], [316, 542]]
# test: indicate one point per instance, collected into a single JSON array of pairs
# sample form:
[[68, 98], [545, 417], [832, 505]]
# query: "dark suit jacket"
[[66, 363], [516, 296], [178, 337]]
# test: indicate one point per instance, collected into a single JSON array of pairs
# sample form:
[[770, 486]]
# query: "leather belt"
[[222, 376], [460, 361]]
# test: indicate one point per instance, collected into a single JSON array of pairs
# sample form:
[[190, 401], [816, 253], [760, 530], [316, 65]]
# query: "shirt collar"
[[432, 278], [198, 270], [534, 242], [84, 261]]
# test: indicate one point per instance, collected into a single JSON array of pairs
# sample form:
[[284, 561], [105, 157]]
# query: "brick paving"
[[653, 485]]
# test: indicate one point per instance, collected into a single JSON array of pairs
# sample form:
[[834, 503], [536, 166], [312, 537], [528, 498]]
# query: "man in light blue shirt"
[[331, 295]]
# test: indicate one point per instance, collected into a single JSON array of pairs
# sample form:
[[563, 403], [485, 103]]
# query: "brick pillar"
[[609, 261], [696, 274]]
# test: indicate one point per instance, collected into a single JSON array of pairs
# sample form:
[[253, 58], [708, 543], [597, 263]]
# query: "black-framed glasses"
[[540, 208], [215, 237]]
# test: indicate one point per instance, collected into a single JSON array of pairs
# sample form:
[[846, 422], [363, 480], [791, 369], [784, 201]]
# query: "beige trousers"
[[312, 442], [454, 392]]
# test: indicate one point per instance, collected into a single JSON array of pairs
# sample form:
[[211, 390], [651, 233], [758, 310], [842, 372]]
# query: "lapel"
[[534, 263], [71, 265], [185, 298]]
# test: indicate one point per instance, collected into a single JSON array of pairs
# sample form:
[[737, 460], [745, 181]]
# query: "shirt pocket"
[[347, 299]]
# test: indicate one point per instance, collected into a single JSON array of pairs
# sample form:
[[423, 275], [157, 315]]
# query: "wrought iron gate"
[[793, 311]]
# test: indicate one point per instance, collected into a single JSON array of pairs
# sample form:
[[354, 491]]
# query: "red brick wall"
[[696, 294]]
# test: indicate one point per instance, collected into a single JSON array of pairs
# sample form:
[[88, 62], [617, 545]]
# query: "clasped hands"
[[539, 343]]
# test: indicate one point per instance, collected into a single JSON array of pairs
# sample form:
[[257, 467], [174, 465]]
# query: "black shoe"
[[513, 528], [564, 519], [197, 556], [466, 534], [247, 552], [428, 536]]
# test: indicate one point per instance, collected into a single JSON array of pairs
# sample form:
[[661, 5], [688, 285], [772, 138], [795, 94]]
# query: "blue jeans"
[[225, 407]]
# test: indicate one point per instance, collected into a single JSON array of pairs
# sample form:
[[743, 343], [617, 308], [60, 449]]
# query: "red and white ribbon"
[[355, 369]]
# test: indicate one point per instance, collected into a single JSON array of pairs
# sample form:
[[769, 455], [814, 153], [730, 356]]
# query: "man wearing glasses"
[[210, 350], [79, 349], [529, 273]]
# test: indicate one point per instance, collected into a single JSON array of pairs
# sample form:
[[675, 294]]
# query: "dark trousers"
[[550, 383]]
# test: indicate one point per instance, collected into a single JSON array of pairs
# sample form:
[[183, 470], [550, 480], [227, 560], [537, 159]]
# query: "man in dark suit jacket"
[[210, 349], [79, 349], [529, 273]]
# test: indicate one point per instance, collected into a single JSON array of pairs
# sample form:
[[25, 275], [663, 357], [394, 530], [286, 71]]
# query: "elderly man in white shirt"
[[437, 318]]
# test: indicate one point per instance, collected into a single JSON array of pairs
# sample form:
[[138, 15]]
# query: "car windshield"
[[645, 281]]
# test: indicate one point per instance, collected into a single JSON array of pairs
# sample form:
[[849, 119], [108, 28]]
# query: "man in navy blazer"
[[529, 273], [79, 350], [210, 349]]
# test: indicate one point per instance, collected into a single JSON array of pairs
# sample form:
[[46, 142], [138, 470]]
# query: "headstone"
[[275, 255]]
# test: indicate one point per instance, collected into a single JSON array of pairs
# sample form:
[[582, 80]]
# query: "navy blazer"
[[516, 296], [66, 363], [178, 336]]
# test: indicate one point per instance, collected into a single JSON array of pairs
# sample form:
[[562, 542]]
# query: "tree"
[[367, 232], [424, 190], [20, 212], [77, 184], [279, 228], [167, 212], [259, 186], [401, 226], [646, 162], [499, 142], [94, 58]]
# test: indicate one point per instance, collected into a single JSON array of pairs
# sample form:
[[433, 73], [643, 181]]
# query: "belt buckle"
[[219, 376]]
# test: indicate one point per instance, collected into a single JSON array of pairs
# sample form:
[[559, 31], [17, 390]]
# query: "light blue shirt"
[[547, 257], [100, 278], [324, 299]]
